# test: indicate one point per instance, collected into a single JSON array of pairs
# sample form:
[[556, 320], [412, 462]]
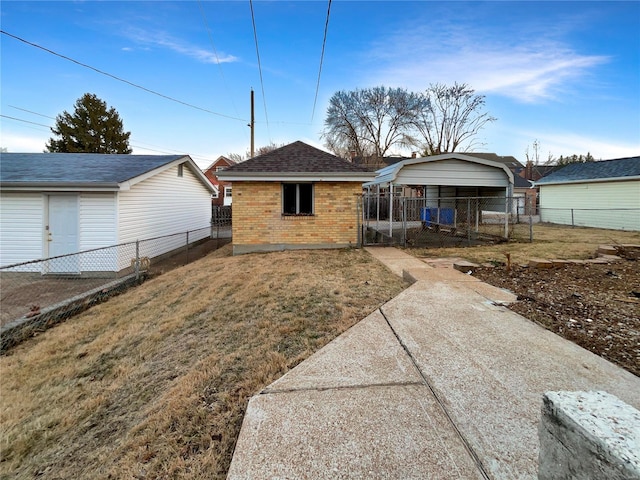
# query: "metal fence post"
[[506, 217], [187, 260], [530, 228], [404, 222], [137, 262], [572, 223]]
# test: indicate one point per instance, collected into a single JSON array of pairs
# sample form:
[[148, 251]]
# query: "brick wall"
[[258, 223]]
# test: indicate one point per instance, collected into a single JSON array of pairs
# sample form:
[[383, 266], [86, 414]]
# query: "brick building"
[[222, 194], [295, 197]]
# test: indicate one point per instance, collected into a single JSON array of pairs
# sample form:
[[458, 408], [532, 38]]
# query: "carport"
[[437, 186]]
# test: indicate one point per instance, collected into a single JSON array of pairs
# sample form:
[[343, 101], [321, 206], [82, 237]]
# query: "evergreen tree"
[[92, 128]]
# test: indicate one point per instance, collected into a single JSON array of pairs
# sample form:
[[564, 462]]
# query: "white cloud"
[[15, 143], [525, 70], [514, 141], [605, 149], [166, 41]]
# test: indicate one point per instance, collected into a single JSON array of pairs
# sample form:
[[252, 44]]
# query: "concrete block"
[[540, 263], [588, 435], [606, 250], [464, 266], [609, 258]]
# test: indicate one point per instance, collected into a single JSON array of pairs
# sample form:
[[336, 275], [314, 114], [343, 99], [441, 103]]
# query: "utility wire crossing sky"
[[179, 73]]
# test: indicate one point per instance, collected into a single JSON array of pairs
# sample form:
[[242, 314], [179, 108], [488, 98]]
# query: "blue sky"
[[564, 73]]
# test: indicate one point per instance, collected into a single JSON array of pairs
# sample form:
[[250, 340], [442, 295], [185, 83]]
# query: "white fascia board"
[[295, 177], [61, 187], [592, 180]]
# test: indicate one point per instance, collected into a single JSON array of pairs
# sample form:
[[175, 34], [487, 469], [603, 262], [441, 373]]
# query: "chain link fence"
[[445, 222], [616, 219], [37, 294]]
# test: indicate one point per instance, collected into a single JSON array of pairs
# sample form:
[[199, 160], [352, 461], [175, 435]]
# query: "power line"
[[35, 113], [255, 36], [120, 79], [25, 121], [324, 41], [215, 52], [165, 150]]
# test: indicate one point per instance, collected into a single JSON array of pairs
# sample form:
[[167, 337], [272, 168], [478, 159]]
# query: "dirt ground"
[[594, 305]]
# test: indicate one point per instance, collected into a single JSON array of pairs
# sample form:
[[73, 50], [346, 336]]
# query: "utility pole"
[[252, 126]]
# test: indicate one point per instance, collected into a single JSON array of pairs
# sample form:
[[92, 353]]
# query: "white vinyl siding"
[[21, 227], [98, 220], [614, 205], [452, 172], [98, 228], [161, 205]]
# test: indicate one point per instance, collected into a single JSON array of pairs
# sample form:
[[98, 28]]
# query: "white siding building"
[[57, 204], [603, 194]]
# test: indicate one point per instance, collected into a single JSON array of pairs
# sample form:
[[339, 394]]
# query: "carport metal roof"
[[390, 174]]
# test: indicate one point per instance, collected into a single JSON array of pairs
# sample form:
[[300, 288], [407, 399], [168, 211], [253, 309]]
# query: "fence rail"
[[45, 291], [444, 221]]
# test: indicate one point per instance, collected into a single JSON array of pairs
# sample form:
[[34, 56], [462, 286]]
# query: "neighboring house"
[[524, 193], [222, 194], [295, 197], [373, 163], [604, 194], [54, 204]]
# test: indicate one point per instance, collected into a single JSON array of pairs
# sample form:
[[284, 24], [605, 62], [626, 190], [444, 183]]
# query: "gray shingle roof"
[[76, 168], [602, 170], [510, 161], [297, 157]]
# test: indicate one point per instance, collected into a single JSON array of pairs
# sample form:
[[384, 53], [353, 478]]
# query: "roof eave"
[[296, 176], [60, 186], [586, 180]]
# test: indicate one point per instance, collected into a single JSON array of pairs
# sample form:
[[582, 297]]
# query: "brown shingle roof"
[[297, 157]]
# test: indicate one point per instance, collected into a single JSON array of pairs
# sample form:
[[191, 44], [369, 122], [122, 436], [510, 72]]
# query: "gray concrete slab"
[[367, 354], [381, 432], [396, 260], [491, 367]]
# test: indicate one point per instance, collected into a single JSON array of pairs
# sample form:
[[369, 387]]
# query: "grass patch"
[[154, 383], [549, 241]]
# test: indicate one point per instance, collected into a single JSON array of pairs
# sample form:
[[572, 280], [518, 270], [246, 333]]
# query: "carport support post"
[[468, 221], [390, 210], [378, 210]]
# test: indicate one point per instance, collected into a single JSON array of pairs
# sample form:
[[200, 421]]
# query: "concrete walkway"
[[441, 382]]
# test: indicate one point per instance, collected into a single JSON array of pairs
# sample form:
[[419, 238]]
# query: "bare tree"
[[451, 119], [370, 121], [236, 157], [266, 149]]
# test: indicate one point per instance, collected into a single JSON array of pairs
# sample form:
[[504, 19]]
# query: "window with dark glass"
[[297, 198]]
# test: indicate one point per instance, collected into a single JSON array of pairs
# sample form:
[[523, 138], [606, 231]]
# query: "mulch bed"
[[596, 306]]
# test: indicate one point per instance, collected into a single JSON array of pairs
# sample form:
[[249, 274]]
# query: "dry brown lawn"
[[154, 383], [549, 241]]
